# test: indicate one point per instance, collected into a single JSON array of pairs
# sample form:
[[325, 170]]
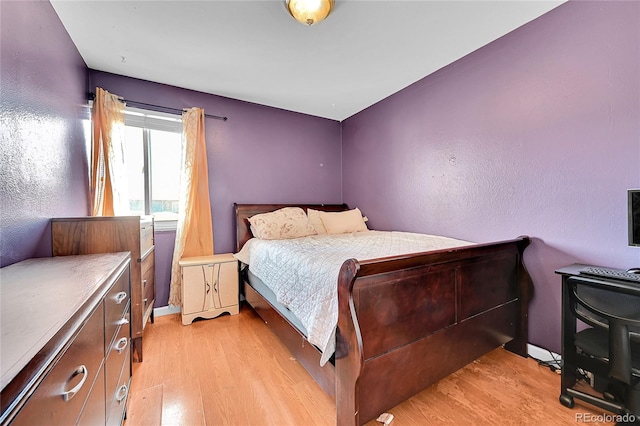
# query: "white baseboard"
[[166, 310], [542, 354]]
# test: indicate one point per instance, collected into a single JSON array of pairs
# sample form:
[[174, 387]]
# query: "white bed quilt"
[[303, 272]]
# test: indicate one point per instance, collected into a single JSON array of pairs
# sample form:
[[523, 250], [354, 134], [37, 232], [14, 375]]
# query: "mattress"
[[303, 272]]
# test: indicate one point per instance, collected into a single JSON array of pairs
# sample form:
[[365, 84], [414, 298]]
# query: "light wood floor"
[[233, 371]]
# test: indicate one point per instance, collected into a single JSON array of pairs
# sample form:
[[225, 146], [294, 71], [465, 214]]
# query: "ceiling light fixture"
[[309, 12]]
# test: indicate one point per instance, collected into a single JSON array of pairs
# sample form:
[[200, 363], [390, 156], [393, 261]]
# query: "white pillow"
[[282, 224], [315, 221], [343, 222]]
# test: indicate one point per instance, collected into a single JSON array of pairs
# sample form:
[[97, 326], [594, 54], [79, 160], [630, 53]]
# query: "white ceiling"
[[254, 51]]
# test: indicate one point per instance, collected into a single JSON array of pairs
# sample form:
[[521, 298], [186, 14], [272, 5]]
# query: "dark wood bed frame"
[[407, 321]]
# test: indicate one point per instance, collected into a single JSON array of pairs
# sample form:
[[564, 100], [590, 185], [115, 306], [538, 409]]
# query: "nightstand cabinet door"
[[209, 286], [197, 289], [225, 284]]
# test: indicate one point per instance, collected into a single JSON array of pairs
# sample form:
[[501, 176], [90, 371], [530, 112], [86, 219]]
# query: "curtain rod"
[[92, 97]]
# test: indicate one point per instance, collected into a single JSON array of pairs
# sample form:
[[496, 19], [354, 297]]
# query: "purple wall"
[[164, 242], [43, 162], [260, 155], [537, 133]]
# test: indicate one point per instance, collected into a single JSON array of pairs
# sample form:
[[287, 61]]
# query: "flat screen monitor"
[[634, 217]]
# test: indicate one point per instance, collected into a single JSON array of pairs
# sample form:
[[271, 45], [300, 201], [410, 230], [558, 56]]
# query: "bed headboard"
[[245, 211]]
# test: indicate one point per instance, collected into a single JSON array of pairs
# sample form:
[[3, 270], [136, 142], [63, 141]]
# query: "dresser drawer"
[[146, 234], [117, 359], [94, 411], [116, 304], [148, 264], [62, 393], [117, 397], [148, 281]]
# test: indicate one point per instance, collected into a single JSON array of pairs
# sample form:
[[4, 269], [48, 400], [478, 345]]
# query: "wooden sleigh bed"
[[407, 321]]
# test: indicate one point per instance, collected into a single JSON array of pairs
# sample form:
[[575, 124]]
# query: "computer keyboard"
[[618, 274]]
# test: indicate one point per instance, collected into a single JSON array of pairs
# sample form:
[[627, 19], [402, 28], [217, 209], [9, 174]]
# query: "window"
[[152, 157]]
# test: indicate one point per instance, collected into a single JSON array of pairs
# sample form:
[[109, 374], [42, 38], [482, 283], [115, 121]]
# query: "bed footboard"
[[406, 322]]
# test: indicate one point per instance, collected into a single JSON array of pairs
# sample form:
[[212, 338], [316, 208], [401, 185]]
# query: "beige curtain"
[[194, 236], [108, 174]]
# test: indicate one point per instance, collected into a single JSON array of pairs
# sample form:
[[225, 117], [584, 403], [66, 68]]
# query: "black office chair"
[[610, 349]]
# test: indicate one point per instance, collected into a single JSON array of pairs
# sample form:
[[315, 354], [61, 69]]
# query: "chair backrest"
[[598, 305], [617, 312]]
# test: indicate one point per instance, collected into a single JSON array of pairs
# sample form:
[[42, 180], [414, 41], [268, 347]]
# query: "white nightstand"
[[209, 286]]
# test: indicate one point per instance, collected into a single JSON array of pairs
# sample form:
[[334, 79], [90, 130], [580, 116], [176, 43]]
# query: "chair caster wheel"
[[567, 401]]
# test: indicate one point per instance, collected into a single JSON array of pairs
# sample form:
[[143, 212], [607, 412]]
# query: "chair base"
[[569, 394], [628, 416], [567, 400]]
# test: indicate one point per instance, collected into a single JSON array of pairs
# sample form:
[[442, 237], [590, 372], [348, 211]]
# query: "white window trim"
[[152, 120], [165, 225]]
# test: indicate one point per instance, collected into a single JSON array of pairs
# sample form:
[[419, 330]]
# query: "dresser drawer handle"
[[122, 345], [120, 297], [122, 321], [70, 394], [122, 393], [144, 283]]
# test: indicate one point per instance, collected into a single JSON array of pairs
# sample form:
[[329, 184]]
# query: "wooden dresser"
[[88, 235], [65, 340]]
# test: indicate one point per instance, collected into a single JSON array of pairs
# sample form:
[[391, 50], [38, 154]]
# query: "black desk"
[[571, 359]]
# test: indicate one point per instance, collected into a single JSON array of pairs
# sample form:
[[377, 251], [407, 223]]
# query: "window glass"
[[153, 157], [134, 161], [165, 174]]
